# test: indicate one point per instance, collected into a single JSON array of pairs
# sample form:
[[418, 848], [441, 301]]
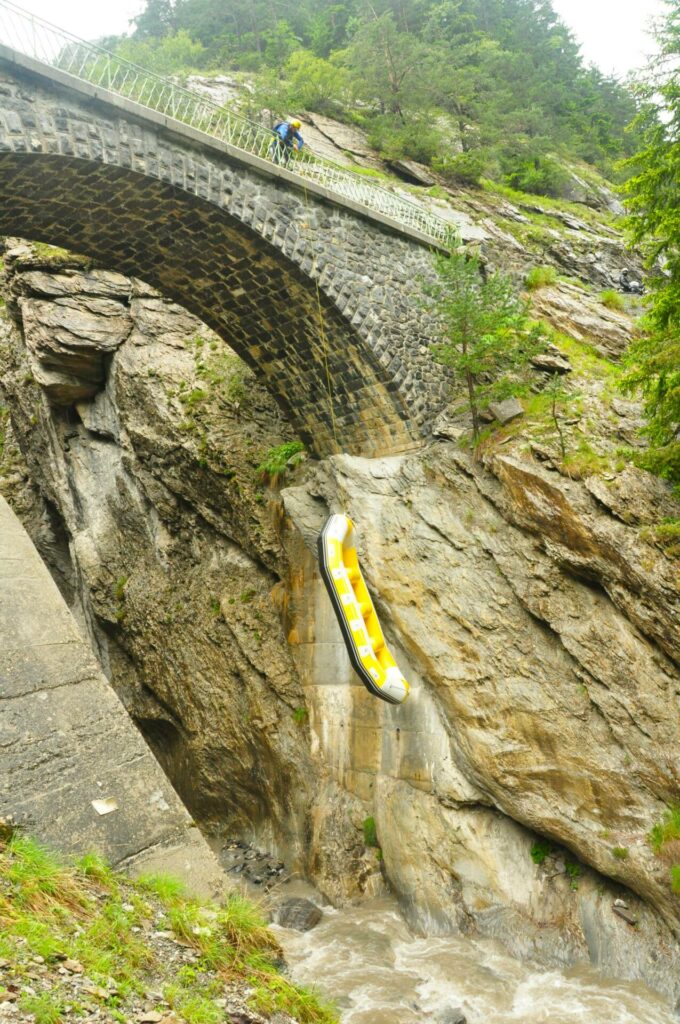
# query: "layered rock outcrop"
[[545, 694]]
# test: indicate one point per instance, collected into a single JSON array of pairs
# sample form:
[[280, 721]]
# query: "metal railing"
[[90, 63]]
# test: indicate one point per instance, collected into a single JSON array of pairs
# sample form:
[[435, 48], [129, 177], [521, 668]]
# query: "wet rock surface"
[[249, 864], [151, 511], [484, 578], [298, 913]]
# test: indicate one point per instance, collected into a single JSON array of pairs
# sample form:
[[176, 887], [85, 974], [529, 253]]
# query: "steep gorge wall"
[[539, 705], [160, 529], [537, 624]]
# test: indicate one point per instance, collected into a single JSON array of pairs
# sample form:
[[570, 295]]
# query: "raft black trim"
[[365, 676]]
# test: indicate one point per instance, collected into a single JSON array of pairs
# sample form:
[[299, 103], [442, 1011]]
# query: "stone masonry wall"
[[322, 302]]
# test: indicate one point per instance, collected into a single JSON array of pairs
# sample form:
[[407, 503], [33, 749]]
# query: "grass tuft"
[[88, 914], [612, 300], [540, 277], [675, 879], [370, 833], [168, 889], [665, 831]]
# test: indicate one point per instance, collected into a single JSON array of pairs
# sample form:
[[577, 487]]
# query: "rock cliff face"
[[158, 528], [537, 623], [543, 700]]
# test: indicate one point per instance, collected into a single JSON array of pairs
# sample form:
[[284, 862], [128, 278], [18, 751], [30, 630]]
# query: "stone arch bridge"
[[318, 295]]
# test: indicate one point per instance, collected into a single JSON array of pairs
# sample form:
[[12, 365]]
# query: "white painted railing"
[[90, 63]]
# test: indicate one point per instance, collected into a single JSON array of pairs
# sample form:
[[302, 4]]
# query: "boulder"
[[412, 171], [634, 496], [551, 362], [298, 913], [447, 428], [454, 1015], [508, 410]]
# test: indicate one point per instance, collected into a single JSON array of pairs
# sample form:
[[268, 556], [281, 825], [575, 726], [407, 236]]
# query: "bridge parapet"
[[87, 63]]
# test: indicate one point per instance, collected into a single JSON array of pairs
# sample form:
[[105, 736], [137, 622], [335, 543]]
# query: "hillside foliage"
[[473, 87], [652, 199]]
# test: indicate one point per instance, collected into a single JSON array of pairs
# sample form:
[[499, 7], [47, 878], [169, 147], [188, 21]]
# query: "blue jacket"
[[287, 133]]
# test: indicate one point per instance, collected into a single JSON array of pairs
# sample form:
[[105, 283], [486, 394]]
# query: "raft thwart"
[[368, 652]]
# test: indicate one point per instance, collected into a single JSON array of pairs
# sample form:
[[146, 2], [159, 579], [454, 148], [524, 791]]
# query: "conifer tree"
[[490, 338], [653, 200]]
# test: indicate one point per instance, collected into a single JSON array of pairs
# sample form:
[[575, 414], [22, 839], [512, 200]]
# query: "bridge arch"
[[319, 300]]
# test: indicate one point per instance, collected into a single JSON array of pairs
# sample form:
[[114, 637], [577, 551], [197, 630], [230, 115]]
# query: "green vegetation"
[[620, 852], [675, 879], [559, 398], [119, 597], [667, 535], [654, 222], [612, 300], [103, 928], [503, 82], [540, 277], [300, 716], [370, 833], [584, 460], [277, 460], [489, 336], [665, 831], [541, 849], [55, 254], [573, 870], [47, 1008]]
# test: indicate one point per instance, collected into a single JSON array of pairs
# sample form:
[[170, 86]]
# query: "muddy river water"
[[367, 959]]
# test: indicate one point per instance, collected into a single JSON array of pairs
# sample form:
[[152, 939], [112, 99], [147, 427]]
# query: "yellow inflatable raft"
[[354, 610]]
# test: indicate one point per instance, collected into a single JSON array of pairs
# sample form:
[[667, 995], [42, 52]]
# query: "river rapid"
[[366, 958]]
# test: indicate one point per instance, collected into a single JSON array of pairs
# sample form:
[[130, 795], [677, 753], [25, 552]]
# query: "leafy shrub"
[[462, 168], [541, 176], [418, 140], [573, 870], [277, 460], [620, 852], [315, 84], [540, 277], [541, 849], [612, 299], [167, 56]]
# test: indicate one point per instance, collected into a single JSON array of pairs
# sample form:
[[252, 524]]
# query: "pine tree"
[[653, 201], [489, 336]]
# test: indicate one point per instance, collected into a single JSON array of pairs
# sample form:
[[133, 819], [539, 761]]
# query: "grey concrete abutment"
[[75, 772]]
